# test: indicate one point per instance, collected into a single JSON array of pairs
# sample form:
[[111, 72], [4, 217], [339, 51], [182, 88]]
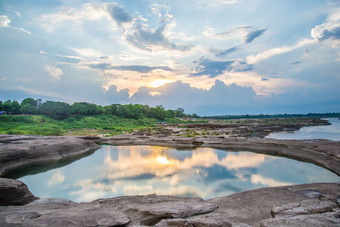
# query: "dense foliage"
[[62, 110]]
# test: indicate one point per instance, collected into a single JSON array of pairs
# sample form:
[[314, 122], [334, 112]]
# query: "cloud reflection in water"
[[204, 172]]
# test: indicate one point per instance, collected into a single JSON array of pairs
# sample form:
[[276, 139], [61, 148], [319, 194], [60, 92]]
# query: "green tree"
[[12, 107], [55, 110], [29, 106], [111, 109], [7, 106], [179, 112], [28, 109], [1, 105], [159, 112], [29, 101]]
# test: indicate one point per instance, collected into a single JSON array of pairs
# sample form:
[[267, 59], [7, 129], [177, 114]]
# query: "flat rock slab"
[[297, 205], [254, 206], [127, 210], [22, 152]]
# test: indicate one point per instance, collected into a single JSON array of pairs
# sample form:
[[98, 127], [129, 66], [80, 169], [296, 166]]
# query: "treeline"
[[62, 110], [261, 116]]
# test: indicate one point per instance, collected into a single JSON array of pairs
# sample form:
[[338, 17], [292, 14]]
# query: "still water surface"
[[330, 132], [204, 172]]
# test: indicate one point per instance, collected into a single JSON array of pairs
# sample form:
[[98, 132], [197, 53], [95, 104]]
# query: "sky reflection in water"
[[330, 132], [204, 172]]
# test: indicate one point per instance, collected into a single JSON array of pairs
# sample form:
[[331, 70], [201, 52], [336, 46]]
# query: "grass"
[[106, 125]]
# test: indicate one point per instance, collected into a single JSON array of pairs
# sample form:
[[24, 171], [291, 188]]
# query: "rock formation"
[[298, 205]]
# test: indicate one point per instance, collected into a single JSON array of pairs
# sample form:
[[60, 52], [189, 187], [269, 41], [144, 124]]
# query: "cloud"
[[67, 59], [87, 11], [216, 3], [112, 95], [137, 68], [4, 21], [252, 35], [246, 33], [252, 59], [227, 52], [55, 72], [88, 52], [161, 11], [329, 30], [215, 68], [119, 14], [179, 94], [57, 178], [151, 40], [258, 179]]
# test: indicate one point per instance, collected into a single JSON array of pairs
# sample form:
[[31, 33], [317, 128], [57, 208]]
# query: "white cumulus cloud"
[[57, 178], [4, 21], [329, 30], [55, 72]]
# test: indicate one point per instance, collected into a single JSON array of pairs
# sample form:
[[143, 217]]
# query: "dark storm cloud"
[[149, 40], [119, 14], [136, 68], [227, 51], [252, 35], [215, 68]]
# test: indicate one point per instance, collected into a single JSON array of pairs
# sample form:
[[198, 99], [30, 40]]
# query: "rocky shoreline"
[[297, 205]]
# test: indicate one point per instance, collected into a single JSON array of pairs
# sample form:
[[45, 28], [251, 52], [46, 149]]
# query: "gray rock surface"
[[297, 205], [14, 192], [126, 210], [23, 152], [251, 207], [328, 219], [211, 220]]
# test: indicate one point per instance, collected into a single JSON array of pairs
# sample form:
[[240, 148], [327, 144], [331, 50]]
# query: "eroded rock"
[[150, 209], [127, 210], [211, 220], [14, 192], [328, 219], [303, 207], [23, 152]]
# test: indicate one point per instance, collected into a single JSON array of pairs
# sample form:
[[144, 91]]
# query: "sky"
[[210, 57]]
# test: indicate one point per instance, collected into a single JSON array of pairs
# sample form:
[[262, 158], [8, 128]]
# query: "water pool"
[[137, 170], [329, 132]]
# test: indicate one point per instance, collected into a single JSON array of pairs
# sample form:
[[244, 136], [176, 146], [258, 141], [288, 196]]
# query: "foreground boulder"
[[14, 192]]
